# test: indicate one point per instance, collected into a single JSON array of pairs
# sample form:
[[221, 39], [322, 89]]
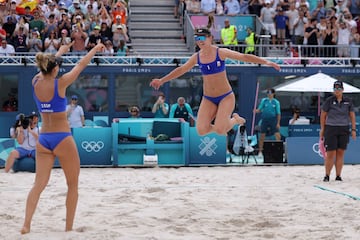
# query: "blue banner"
[[305, 150], [208, 149]]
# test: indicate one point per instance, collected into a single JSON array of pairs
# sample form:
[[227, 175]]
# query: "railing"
[[282, 55]]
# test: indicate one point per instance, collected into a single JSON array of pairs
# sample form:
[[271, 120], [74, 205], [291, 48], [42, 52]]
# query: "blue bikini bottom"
[[51, 140], [217, 100]]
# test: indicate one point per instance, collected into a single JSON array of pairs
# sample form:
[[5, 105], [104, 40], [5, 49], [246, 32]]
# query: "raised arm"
[[64, 49], [177, 72], [227, 53], [71, 76]]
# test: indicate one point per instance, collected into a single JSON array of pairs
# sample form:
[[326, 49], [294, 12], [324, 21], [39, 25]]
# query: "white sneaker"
[[260, 155]]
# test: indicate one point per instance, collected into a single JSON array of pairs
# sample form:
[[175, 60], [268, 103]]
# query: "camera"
[[24, 121]]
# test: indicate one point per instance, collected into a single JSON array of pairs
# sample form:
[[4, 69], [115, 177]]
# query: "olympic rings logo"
[[92, 146], [316, 149]]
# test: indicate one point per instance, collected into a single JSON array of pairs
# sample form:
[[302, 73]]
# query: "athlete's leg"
[[44, 164], [223, 120], [205, 116], [69, 159]]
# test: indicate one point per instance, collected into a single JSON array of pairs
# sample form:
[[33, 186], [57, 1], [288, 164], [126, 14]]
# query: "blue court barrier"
[[305, 150], [207, 149]]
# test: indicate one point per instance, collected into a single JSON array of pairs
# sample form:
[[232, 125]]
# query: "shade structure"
[[318, 82]]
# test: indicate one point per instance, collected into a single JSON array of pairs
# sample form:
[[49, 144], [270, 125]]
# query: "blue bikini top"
[[56, 104], [214, 67]]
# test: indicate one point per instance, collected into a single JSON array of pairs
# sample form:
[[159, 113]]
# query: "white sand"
[[254, 202]]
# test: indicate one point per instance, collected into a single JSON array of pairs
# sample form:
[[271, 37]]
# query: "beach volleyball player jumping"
[[218, 100]]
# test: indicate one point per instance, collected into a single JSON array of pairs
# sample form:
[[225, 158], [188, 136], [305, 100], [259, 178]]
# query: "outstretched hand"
[[156, 83], [99, 47], [274, 65], [64, 49]]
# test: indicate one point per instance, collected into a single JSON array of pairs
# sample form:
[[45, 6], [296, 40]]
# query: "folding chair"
[[249, 150], [244, 145]]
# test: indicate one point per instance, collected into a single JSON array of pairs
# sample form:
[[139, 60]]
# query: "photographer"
[[26, 132]]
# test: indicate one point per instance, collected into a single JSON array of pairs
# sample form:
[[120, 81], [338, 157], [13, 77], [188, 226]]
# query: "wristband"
[[354, 129]]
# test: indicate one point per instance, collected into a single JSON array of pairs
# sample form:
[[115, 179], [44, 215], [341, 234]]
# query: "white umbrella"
[[319, 82]]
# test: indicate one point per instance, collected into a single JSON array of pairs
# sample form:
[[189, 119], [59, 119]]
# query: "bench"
[[134, 140]]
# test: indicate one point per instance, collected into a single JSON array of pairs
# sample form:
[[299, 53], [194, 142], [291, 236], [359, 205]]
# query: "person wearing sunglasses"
[[218, 102], [134, 112], [337, 113], [55, 138]]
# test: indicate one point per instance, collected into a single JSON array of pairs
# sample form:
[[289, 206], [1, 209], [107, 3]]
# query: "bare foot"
[[239, 120], [25, 230]]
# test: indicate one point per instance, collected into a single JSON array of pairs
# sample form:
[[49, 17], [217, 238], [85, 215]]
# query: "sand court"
[[234, 202]]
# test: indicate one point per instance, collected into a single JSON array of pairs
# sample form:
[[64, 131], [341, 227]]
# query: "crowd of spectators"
[[45, 25], [332, 25]]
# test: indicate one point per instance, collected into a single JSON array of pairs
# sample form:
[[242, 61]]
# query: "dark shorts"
[[268, 126], [336, 137]]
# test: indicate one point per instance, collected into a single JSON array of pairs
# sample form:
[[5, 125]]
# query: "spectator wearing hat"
[[75, 113], [119, 31], [9, 27], [119, 9], [337, 115], [77, 5], [94, 38], [34, 43], [64, 38], [269, 108], [53, 10], [134, 112], [6, 49]]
